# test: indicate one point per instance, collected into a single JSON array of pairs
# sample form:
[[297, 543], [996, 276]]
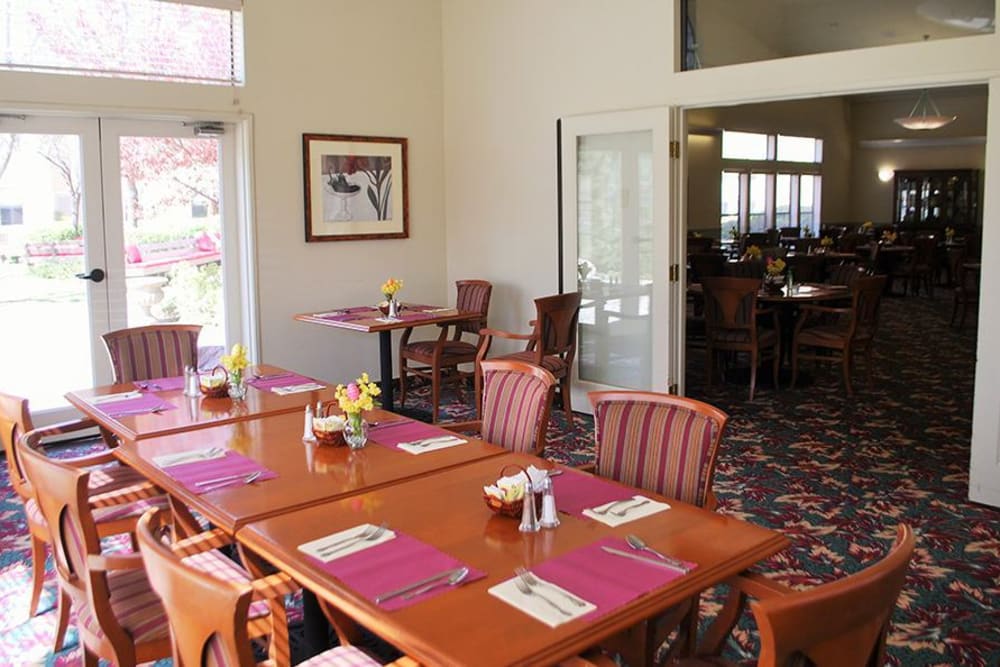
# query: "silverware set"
[[137, 411], [189, 457], [530, 580], [427, 442], [229, 480], [369, 534], [621, 511]]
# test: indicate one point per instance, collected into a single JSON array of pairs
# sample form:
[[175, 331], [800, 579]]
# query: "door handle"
[[97, 275]]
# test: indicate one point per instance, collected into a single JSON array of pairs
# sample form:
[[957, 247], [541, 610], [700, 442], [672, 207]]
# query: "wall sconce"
[[885, 174]]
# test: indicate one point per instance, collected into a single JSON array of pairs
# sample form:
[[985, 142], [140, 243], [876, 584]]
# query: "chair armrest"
[[497, 333], [90, 460], [461, 427], [210, 539], [273, 587], [60, 429], [109, 562], [124, 495]]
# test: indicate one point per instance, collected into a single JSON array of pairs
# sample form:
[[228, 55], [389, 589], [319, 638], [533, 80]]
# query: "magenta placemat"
[[419, 306], [349, 317], [409, 317], [392, 565], [161, 384], [135, 406], [282, 380], [606, 580], [189, 474], [576, 491], [392, 433]]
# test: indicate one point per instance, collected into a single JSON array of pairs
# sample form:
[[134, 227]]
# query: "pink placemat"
[[161, 384], [281, 380], [419, 306], [135, 406], [349, 317], [392, 433], [606, 580], [391, 565], [576, 491], [189, 474]]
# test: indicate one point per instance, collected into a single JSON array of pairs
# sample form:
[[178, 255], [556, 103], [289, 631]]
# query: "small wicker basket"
[[219, 390], [329, 438], [513, 508]]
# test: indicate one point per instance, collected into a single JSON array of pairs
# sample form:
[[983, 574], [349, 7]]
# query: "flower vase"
[[773, 282], [393, 309], [237, 386], [356, 431]]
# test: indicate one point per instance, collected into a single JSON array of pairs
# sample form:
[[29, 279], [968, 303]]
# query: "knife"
[[677, 567], [382, 597]]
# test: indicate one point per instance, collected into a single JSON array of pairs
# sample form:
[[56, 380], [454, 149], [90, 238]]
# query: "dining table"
[[159, 406], [438, 524], [369, 319]]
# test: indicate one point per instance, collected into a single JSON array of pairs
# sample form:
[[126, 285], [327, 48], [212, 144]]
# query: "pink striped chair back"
[[517, 399], [473, 295], [147, 353], [662, 443], [212, 633]]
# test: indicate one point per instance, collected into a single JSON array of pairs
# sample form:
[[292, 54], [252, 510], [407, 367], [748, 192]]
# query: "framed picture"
[[355, 187]]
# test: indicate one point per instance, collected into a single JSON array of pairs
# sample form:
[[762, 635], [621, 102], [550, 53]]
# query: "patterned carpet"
[[834, 474]]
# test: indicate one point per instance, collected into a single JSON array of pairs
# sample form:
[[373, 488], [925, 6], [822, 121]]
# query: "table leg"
[[385, 368], [315, 627]]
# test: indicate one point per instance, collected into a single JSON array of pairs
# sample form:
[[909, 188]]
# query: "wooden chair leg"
[[564, 393], [38, 554], [868, 364], [845, 364], [62, 615], [89, 659], [725, 621], [776, 365], [435, 394], [753, 372], [795, 364]]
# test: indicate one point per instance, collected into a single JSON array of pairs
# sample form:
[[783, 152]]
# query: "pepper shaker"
[[191, 388], [529, 524], [307, 429], [550, 518]]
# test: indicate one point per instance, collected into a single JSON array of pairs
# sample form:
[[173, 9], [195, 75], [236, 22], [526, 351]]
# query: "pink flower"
[[353, 392]]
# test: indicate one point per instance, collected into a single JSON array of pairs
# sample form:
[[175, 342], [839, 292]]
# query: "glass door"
[[51, 234], [616, 248]]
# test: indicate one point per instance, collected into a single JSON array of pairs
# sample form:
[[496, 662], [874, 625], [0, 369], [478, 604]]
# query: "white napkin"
[[109, 398], [206, 454], [297, 388], [327, 314], [388, 319], [534, 606], [315, 548], [649, 507], [441, 442]]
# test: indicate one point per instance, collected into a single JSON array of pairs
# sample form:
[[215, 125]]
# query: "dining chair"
[[150, 352], [731, 325], [842, 623], [551, 345], [117, 489], [918, 268], [668, 445], [231, 606], [806, 268], [118, 616], [705, 264], [445, 354], [845, 274], [835, 333], [517, 400], [965, 290]]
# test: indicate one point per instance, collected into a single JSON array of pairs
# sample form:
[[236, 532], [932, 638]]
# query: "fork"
[[625, 510], [138, 411], [370, 534], [613, 505], [527, 590], [531, 580], [242, 481]]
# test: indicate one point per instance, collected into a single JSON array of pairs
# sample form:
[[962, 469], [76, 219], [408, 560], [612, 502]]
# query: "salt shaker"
[[529, 524], [550, 518], [191, 388], [307, 429]]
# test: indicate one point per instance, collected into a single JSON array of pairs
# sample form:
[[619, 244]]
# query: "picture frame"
[[355, 187]]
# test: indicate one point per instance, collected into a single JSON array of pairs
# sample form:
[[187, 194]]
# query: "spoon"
[[453, 580], [639, 544], [248, 479]]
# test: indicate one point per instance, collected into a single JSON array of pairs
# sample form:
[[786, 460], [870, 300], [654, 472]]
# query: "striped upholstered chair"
[[157, 351], [668, 445], [114, 488], [217, 630], [444, 355], [517, 399]]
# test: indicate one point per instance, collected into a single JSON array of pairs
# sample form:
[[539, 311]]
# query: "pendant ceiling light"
[[925, 115]]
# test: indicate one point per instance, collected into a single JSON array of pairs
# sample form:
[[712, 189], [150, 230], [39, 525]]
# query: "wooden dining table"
[[468, 626], [368, 319], [191, 413]]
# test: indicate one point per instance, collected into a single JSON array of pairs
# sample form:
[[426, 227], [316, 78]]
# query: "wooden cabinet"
[[936, 198]]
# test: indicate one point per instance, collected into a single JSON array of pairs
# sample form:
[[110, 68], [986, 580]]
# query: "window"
[[11, 215], [199, 41], [769, 181]]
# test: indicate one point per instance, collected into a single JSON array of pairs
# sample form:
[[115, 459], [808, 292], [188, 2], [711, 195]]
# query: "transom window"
[[198, 41], [769, 181]]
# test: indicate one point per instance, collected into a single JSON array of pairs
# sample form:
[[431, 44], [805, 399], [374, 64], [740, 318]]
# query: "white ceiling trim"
[[923, 142]]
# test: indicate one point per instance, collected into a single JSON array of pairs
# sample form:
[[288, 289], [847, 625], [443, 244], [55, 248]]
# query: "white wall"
[[511, 69], [326, 66]]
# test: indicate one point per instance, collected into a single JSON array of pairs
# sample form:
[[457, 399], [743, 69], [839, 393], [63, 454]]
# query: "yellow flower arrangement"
[[753, 252], [889, 236], [867, 225], [236, 361], [826, 242], [357, 396], [390, 287], [775, 266], [949, 233]]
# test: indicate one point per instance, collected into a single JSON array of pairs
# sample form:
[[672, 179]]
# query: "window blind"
[[198, 41]]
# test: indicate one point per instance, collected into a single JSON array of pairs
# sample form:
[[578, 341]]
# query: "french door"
[[617, 249], [109, 224]]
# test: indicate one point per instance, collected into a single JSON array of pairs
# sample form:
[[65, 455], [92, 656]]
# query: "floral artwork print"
[[346, 175]]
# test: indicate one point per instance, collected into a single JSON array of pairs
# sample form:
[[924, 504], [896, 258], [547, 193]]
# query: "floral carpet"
[[836, 475]]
